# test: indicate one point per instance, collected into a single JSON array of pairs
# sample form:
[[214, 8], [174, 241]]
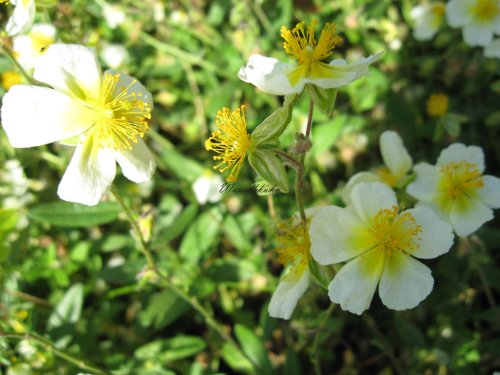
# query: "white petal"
[[477, 34], [405, 282], [466, 220], [489, 194], [457, 12], [70, 68], [343, 73], [436, 237], [356, 179], [22, 18], [34, 116], [88, 175], [394, 153], [459, 152], [138, 164], [425, 184], [207, 188], [493, 49], [287, 294], [354, 285], [269, 75], [331, 232], [369, 198], [133, 86]]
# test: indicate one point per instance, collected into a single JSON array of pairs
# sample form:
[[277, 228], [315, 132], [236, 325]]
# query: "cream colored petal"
[[477, 34], [138, 164], [34, 116], [132, 85], [469, 216], [269, 75], [207, 188], [394, 154], [22, 18], [425, 184], [425, 25], [88, 175], [355, 180], [489, 194], [70, 68], [369, 198], [354, 285], [436, 236], [457, 12], [405, 282], [458, 152], [334, 233], [287, 294]]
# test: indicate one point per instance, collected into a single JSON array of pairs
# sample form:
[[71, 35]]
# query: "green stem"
[[315, 347], [18, 66], [294, 162], [80, 363]]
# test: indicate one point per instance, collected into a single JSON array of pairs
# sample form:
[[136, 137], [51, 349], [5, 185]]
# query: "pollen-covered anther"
[[485, 10], [460, 178], [293, 247]]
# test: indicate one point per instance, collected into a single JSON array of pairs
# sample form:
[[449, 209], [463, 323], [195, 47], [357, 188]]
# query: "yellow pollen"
[[293, 247], [4, 1], [394, 231], [385, 174], [437, 105], [230, 141], [438, 11], [460, 179], [485, 10], [121, 116], [11, 78], [301, 44]]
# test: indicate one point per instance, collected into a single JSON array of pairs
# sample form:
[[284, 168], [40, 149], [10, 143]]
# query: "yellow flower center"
[[387, 177], [301, 44], [230, 141], [41, 41], [460, 179], [10, 79], [392, 230], [293, 247], [120, 116], [438, 11], [485, 10], [437, 105]]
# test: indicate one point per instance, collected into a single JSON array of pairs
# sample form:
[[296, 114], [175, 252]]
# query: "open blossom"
[[456, 189], [397, 165], [428, 19], [278, 78], [230, 141], [104, 115], [479, 19], [379, 242], [22, 17], [29, 47]]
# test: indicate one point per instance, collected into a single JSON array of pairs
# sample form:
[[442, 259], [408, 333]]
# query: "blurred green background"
[[80, 286]]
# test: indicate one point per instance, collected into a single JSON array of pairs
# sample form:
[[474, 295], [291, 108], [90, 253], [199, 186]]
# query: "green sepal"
[[273, 126], [324, 99], [321, 274], [73, 141], [269, 167]]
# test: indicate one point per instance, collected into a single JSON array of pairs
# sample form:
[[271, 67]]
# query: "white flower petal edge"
[[394, 154], [405, 282], [457, 14], [458, 152], [368, 199], [356, 179], [490, 192], [133, 86], [85, 181], [34, 116], [70, 68], [269, 75], [436, 237], [354, 285], [287, 294], [330, 232], [477, 34], [468, 221], [22, 18], [138, 164], [207, 188], [493, 49], [426, 182]]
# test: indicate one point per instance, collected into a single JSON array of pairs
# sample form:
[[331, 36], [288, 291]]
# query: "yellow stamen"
[[485, 10], [121, 116], [460, 179], [438, 11], [293, 247], [392, 230], [301, 44], [230, 141], [437, 105], [385, 174], [11, 78]]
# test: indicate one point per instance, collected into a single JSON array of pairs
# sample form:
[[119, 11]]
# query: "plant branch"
[[14, 62], [315, 347]]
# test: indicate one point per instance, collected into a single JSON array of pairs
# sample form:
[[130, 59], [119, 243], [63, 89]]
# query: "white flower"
[[22, 18], [456, 189], [397, 165], [294, 252], [428, 19], [29, 47], [278, 78], [114, 15], [207, 188], [106, 116], [114, 55], [480, 19], [379, 242], [493, 49]]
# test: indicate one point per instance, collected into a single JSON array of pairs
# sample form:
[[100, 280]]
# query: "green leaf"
[[269, 167], [324, 99], [179, 225], [67, 214], [254, 348], [273, 126], [170, 350], [163, 309], [69, 308], [235, 359]]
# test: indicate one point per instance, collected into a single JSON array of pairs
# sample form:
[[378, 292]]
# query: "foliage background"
[[81, 287]]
